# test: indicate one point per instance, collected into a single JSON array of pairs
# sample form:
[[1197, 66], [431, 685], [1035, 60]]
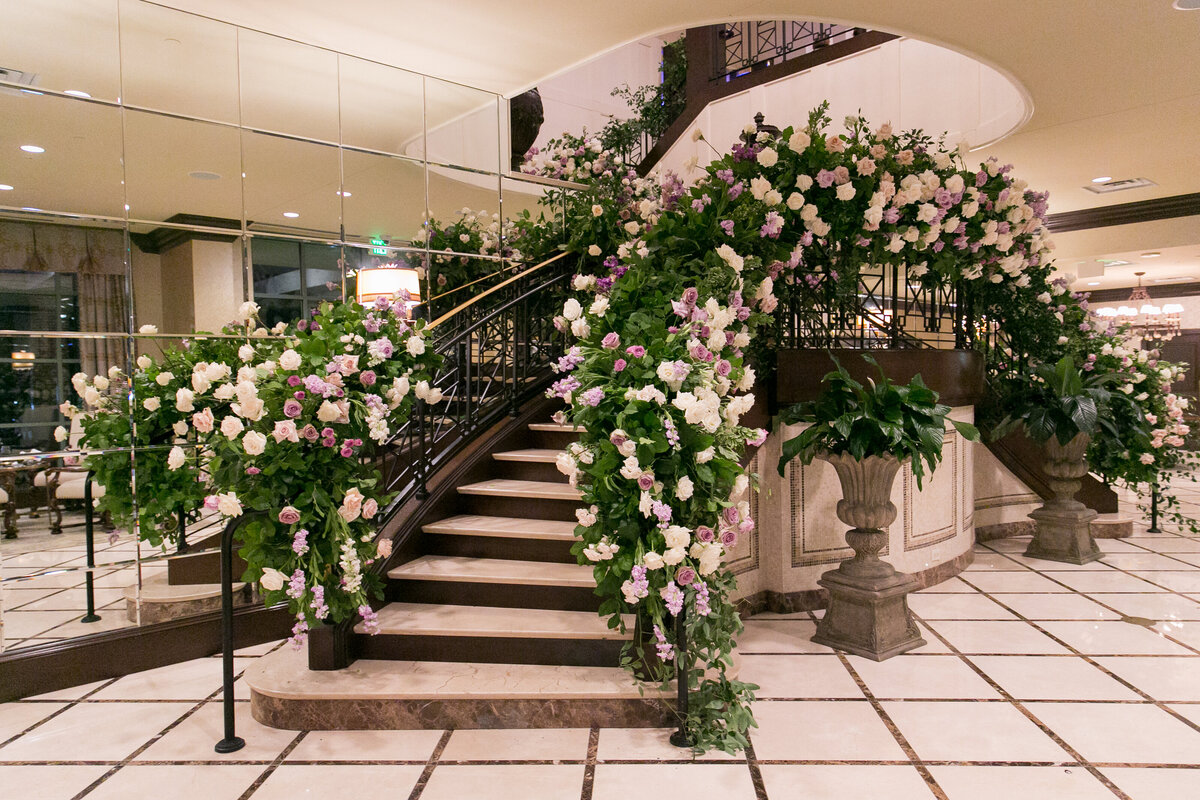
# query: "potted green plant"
[[867, 432], [1060, 408]]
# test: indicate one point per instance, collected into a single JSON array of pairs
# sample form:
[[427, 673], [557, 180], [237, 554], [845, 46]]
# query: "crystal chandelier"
[[1145, 319]]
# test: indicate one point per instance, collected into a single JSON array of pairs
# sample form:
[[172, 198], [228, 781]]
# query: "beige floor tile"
[[95, 732], [1112, 638], [25, 624], [547, 744], [190, 680], [842, 782], [194, 738], [799, 677], [1167, 544], [47, 782], [16, 717], [952, 586], [1019, 638], [956, 606], [1189, 710], [258, 649], [649, 744], [1175, 581], [972, 732], [1165, 679], [192, 782], [622, 781], [941, 677], [1144, 561], [1155, 784], [70, 693], [1015, 544], [830, 731], [1052, 678], [1049, 566], [993, 562], [779, 636], [506, 782], [1111, 581], [1010, 582], [292, 781], [1056, 606], [1158, 606], [1121, 734], [1005, 783], [366, 746]]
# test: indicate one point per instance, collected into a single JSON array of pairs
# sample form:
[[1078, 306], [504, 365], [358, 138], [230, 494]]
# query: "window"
[[292, 278]]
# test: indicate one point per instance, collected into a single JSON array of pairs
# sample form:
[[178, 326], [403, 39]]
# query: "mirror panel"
[[288, 87], [291, 187], [382, 108], [383, 197], [63, 45], [462, 126]]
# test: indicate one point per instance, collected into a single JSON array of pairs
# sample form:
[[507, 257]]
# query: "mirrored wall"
[[158, 169]]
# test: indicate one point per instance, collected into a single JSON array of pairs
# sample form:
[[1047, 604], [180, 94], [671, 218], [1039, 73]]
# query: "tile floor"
[[1038, 680]]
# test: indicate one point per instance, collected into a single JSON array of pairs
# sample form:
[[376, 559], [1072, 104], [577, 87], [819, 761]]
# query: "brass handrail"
[[465, 285], [495, 288]]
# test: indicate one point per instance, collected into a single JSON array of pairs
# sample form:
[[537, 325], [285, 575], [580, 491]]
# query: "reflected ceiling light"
[[1154, 254], [76, 93], [4, 187], [291, 214], [1186, 5], [22, 360], [343, 194], [1102, 179], [30, 91], [32, 148], [204, 175], [1093, 283], [1107, 311]]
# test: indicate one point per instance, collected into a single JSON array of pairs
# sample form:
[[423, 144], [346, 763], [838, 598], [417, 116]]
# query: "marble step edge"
[[533, 490], [425, 619], [502, 527], [532, 455], [461, 569], [555, 427]]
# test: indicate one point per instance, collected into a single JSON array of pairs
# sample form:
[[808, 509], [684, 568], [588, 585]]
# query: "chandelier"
[[1147, 320]]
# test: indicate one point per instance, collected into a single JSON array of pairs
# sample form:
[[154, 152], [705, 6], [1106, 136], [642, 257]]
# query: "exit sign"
[[379, 247]]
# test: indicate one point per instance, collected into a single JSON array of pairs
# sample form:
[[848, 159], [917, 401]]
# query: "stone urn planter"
[[1064, 525], [868, 599]]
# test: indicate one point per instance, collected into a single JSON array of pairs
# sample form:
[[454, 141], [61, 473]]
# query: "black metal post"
[[1154, 512], [88, 526], [680, 737], [183, 546], [232, 742], [422, 451]]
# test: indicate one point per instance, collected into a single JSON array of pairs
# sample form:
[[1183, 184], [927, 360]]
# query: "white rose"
[[183, 400], [799, 142], [677, 536], [254, 443], [144, 362], [100, 382], [148, 329], [246, 352], [176, 458], [231, 427], [572, 310], [272, 579], [632, 228], [228, 505], [705, 455], [597, 210], [845, 191], [248, 310], [180, 428], [415, 345], [674, 556], [200, 383], [795, 201], [328, 412], [580, 328], [804, 183], [151, 403], [163, 378], [767, 157], [60, 434], [91, 396], [594, 250], [772, 198], [599, 307], [652, 561], [289, 359]]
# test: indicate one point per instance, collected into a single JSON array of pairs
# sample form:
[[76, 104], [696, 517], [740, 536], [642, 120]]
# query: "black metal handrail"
[[231, 742], [741, 47]]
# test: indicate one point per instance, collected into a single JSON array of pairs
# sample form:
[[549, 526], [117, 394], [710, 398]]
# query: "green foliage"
[[1060, 402], [875, 420], [653, 106]]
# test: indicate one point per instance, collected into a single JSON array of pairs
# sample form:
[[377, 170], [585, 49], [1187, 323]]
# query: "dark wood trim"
[[162, 239], [112, 654], [956, 375], [492, 649], [1156, 291], [1180, 205], [1024, 458], [495, 595]]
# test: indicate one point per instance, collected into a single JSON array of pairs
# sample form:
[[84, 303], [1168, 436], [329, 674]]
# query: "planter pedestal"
[[1064, 525], [868, 599]]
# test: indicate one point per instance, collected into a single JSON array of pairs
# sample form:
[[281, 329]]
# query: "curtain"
[[103, 307]]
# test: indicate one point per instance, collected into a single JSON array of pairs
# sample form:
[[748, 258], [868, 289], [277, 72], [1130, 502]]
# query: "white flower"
[[151, 403], [100, 382], [176, 458], [254, 443], [799, 142], [759, 186], [632, 228], [804, 183], [144, 362], [228, 505], [594, 250], [328, 412], [91, 396], [697, 135], [674, 556], [180, 428], [272, 579], [148, 329], [248, 310], [597, 210], [163, 378], [845, 191], [580, 328], [772, 198], [677, 536], [795, 201], [289, 360], [415, 345], [572, 310], [60, 434], [767, 157], [586, 516], [652, 561], [183, 400], [705, 455], [246, 352], [731, 258], [200, 383], [599, 307], [232, 426], [224, 392]]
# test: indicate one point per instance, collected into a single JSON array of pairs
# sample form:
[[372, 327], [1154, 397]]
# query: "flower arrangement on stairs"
[[287, 424]]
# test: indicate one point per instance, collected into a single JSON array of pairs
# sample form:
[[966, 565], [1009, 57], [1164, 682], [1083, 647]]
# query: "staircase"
[[489, 620]]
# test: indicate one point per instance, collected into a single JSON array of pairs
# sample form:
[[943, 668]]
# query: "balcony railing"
[[741, 47]]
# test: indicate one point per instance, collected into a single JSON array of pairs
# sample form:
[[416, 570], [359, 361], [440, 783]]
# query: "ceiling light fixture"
[[290, 214], [4, 187], [1102, 179], [1186, 5], [76, 93], [32, 148], [343, 194], [1152, 254], [1093, 283], [1150, 321]]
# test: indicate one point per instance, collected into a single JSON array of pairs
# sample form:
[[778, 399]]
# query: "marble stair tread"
[[534, 490], [503, 527], [428, 619], [155, 589], [284, 674], [493, 570], [1112, 526], [555, 427], [530, 456]]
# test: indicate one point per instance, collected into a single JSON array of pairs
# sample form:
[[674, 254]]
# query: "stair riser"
[[529, 471], [492, 650], [551, 440], [523, 507], [497, 547], [503, 595]]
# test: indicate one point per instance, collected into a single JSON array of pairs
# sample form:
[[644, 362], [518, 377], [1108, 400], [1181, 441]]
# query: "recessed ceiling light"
[[1093, 283], [204, 175], [32, 148], [290, 214], [1173, 279], [1186, 5], [1102, 179], [1152, 254], [30, 91], [76, 93], [4, 187], [343, 194]]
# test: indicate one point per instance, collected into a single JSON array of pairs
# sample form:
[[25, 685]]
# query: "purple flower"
[[645, 481], [309, 432], [730, 515], [891, 216], [736, 190], [727, 226], [293, 380], [704, 534], [663, 648], [618, 365], [691, 295], [685, 575], [369, 618], [723, 368], [637, 351], [300, 542], [611, 341], [592, 397], [672, 596], [825, 178], [367, 377], [292, 408], [729, 538], [295, 589], [702, 607], [772, 227], [660, 510]]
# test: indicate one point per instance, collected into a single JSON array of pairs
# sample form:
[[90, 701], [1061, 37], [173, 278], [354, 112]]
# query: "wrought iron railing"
[[741, 47], [888, 307], [497, 349]]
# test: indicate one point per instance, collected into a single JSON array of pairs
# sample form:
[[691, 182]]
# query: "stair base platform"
[[406, 695]]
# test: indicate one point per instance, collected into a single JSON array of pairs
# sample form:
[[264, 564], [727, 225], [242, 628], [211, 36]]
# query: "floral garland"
[[266, 416]]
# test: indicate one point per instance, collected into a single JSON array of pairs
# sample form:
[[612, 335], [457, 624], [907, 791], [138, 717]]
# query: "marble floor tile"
[[1010, 582], [841, 782], [622, 781], [1004, 783], [779, 636], [1167, 679], [1057, 606], [41, 782], [190, 680], [989, 638], [1112, 638], [506, 782], [953, 586], [1155, 784], [179, 782], [943, 677], [1175, 581], [292, 781], [972, 732], [1144, 561], [366, 746], [1167, 544], [1052, 678], [1111, 581], [15, 718], [993, 562], [95, 732], [1158, 606], [649, 744], [822, 731], [1121, 734], [956, 606], [194, 737], [809, 678], [552, 744]]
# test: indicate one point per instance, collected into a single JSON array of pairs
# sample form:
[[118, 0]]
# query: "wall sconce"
[[23, 360], [389, 281]]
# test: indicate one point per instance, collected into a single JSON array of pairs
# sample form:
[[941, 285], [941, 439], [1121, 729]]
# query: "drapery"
[[103, 306]]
